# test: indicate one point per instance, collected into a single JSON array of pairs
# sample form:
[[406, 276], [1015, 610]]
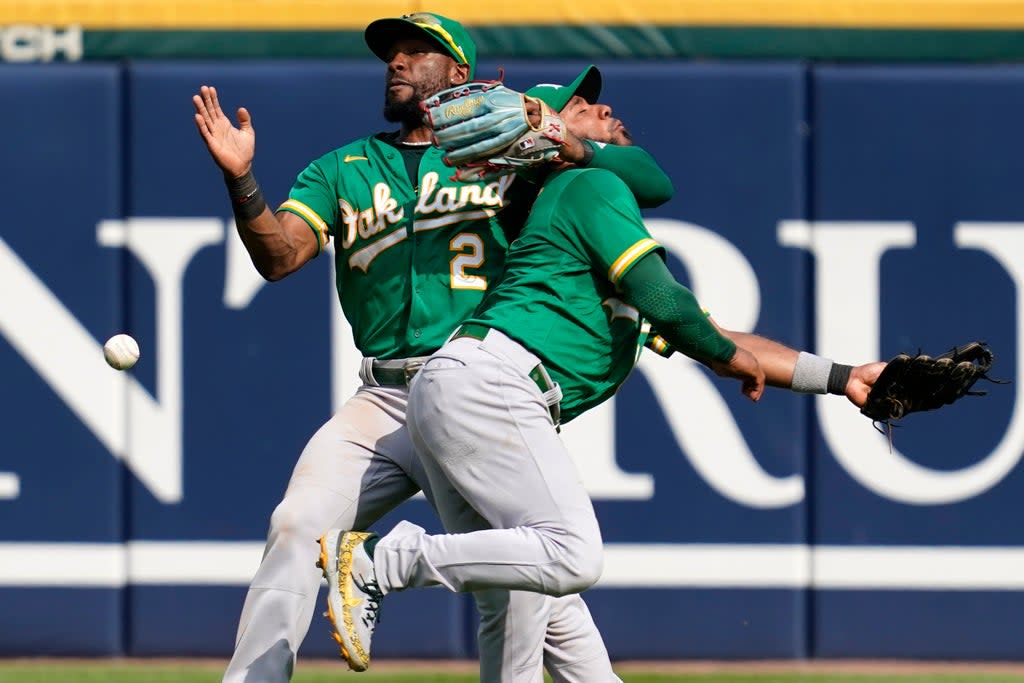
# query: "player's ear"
[[459, 73]]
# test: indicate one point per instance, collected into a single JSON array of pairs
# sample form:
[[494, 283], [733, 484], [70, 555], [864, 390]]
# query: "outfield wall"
[[857, 211], [895, 30]]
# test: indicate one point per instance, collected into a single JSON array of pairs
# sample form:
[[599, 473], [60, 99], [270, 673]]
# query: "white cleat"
[[353, 595]]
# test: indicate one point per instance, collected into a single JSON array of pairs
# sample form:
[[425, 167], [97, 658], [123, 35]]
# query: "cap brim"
[[587, 85], [382, 34]]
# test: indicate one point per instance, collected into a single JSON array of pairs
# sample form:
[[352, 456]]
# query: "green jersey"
[[411, 262], [558, 295]]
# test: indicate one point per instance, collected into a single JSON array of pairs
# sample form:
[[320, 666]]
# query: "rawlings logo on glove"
[[485, 132], [910, 384], [464, 110]]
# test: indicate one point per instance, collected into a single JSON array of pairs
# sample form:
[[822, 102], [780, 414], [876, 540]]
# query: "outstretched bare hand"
[[744, 367], [232, 148], [862, 378]]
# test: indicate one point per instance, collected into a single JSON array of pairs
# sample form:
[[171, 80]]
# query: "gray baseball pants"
[[356, 468], [487, 440]]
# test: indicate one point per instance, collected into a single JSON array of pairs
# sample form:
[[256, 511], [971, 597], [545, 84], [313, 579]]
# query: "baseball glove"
[[485, 132], [909, 384]]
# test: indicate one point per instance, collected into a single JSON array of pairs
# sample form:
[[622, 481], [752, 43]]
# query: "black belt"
[[538, 374], [398, 372]]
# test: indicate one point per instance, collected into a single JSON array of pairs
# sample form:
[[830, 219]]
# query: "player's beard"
[[407, 111]]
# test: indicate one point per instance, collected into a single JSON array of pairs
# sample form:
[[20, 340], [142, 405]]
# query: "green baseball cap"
[[587, 85], [448, 34]]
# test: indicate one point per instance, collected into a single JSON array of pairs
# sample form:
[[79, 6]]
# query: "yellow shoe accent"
[[350, 540], [351, 648], [322, 561]]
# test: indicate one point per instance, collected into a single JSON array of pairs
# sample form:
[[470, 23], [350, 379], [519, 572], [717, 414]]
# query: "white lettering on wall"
[[165, 246], [724, 282], [847, 327], [146, 431], [30, 43]]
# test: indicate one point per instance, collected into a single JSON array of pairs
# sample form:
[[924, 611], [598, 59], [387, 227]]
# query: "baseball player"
[[414, 252], [555, 337]]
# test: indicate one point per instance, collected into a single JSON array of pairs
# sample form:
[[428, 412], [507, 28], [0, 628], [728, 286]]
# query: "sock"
[[369, 544]]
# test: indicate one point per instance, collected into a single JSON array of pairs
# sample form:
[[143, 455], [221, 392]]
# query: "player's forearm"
[[649, 184], [800, 371], [272, 248], [776, 359], [674, 312], [679, 319]]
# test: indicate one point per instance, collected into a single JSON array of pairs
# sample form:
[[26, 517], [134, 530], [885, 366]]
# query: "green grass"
[[50, 674], [139, 672]]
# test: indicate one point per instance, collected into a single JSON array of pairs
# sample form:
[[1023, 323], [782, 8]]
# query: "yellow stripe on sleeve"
[[629, 257], [310, 216]]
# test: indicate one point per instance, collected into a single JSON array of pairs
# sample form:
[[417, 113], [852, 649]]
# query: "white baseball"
[[121, 351]]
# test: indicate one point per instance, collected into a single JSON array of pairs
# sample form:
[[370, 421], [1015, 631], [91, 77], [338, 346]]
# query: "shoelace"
[[374, 596]]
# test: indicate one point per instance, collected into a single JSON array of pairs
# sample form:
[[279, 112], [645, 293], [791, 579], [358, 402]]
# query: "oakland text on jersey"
[[438, 206]]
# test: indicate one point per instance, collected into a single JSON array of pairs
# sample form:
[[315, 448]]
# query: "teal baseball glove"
[[485, 132]]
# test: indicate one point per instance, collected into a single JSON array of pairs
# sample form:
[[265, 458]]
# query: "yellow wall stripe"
[[336, 15], [629, 257]]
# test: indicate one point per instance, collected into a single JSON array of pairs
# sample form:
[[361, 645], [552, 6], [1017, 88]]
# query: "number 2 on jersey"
[[470, 254]]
